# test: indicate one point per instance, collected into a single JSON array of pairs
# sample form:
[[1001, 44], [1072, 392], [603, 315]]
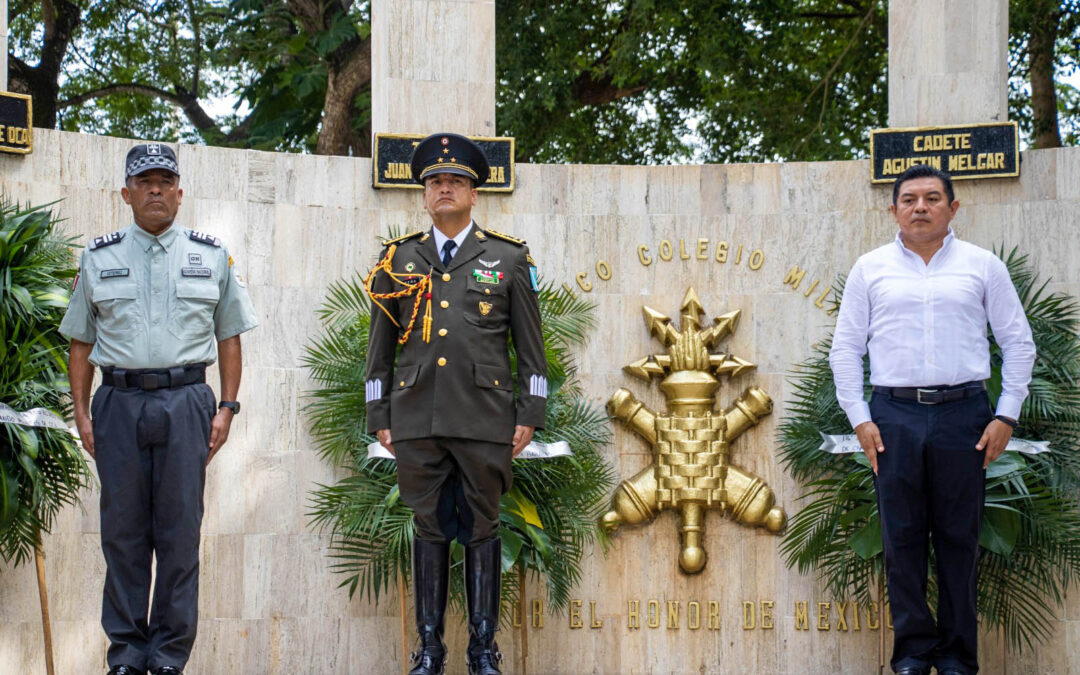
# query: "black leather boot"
[[431, 572], [483, 574]]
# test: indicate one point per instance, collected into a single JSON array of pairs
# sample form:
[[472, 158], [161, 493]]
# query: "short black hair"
[[923, 171]]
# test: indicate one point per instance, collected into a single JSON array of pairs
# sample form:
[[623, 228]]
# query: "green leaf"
[[525, 507], [1006, 463], [511, 549], [1000, 529], [867, 541], [392, 497]]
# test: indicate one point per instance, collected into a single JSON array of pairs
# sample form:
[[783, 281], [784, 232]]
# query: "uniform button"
[[444, 304], [401, 384], [441, 361], [157, 321], [446, 277], [442, 332], [496, 383], [487, 291]]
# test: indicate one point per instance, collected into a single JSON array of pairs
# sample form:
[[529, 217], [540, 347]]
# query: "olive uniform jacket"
[[459, 384]]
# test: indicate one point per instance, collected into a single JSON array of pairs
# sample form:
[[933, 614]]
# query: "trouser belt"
[[934, 395], [149, 379]]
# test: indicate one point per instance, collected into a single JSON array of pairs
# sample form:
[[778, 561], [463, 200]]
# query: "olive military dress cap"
[[449, 153], [147, 156]]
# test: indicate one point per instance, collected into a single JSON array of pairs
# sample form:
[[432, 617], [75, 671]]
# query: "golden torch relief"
[[691, 469]]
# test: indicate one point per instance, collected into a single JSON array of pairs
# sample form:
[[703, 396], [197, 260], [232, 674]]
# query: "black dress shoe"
[[950, 671], [124, 670], [168, 670], [913, 670]]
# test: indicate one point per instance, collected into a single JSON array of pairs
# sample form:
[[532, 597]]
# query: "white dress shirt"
[[441, 238], [926, 324]]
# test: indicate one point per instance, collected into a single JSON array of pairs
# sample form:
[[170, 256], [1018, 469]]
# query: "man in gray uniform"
[[451, 296], [150, 304]]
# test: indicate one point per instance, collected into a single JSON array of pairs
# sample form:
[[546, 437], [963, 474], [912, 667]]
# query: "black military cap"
[[147, 156], [449, 153]]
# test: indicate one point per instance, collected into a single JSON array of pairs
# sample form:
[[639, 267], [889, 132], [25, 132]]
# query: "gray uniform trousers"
[[150, 450]]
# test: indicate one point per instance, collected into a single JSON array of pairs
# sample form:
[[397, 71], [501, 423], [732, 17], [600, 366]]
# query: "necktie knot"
[[448, 251]]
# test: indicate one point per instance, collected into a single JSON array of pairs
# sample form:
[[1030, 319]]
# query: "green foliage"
[[1030, 540], [548, 519], [41, 469]]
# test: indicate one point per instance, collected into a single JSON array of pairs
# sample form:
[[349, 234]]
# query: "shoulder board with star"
[[404, 237], [203, 238], [506, 237], [106, 240]]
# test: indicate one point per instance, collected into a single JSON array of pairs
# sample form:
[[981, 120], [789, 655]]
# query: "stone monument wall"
[[620, 236]]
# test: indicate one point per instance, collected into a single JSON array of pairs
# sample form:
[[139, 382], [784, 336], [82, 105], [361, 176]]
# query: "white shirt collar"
[[441, 238]]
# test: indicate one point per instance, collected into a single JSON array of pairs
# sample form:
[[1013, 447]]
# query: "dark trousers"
[[151, 449], [453, 486], [930, 487]]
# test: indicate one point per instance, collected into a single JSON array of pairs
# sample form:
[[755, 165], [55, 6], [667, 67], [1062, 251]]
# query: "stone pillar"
[[948, 62], [433, 66], [3, 45]]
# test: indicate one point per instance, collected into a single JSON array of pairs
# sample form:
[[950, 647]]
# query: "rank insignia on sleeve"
[[534, 277], [487, 276]]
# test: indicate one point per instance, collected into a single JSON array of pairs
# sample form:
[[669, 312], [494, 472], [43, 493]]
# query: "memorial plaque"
[[16, 130], [391, 154], [968, 151]]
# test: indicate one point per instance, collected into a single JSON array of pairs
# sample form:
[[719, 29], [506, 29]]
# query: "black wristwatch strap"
[[234, 406], [1006, 420]]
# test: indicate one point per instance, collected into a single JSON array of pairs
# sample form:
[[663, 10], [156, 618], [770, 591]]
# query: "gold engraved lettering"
[[643, 255], [757, 259], [721, 252], [693, 615], [1, 131], [820, 302], [603, 270], [702, 244], [748, 615], [999, 160], [738, 255], [872, 622], [537, 613], [515, 616], [766, 614], [823, 616], [633, 621], [802, 622], [794, 276], [683, 255], [594, 622], [811, 289], [841, 618], [575, 614], [584, 285], [673, 614], [652, 614], [714, 616], [567, 288], [665, 250], [888, 616], [855, 616]]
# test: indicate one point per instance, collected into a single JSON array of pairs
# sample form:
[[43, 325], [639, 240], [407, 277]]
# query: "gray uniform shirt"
[[156, 302]]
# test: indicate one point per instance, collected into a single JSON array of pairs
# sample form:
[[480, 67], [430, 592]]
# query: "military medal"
[[485, 307], [487, 276], [410, 266]]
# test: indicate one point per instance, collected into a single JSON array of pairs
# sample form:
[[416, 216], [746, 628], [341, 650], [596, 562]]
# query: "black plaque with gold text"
[[392, 152], [16, 131], [968, 151]]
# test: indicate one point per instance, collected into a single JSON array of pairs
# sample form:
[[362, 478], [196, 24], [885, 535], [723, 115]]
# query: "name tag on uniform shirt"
[[195, 272], [120, 272]]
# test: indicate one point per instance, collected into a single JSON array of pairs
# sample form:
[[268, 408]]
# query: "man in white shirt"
[[921, 305]]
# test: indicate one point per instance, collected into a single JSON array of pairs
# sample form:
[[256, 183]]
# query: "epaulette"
[[106, 240], [202, 238], [404, 237], [506, 237]]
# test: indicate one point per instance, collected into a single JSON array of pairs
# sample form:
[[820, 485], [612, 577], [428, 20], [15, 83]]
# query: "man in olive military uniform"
[[450, 297], [152, 306]]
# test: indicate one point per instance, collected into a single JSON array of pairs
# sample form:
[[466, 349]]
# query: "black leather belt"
[[934, 395], [149, 379]]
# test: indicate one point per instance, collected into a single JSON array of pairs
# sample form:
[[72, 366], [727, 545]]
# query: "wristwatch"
[[234, 406]]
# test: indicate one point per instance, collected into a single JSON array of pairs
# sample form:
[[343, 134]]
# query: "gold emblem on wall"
[[691, 442]]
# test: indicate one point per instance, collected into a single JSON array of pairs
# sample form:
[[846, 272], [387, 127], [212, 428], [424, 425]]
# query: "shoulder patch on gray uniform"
[[119, 272], [195, 272], [203, 238], [106, 240]]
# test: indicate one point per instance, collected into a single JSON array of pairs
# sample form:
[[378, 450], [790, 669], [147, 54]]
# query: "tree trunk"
[[343, 83], [1043, 95], [42, 82]]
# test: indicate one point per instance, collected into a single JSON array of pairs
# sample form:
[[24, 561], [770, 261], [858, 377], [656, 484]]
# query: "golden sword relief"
[[691, 471]]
